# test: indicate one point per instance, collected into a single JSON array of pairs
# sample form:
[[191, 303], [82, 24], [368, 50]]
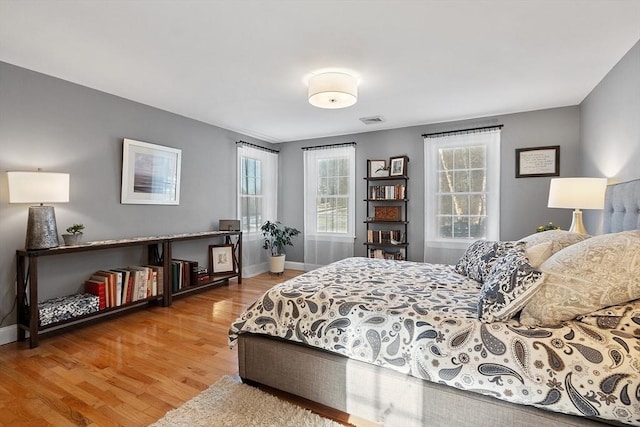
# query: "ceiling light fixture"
[[333, 90]]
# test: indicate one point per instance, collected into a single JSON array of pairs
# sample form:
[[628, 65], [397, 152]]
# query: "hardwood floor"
[[130, 370]]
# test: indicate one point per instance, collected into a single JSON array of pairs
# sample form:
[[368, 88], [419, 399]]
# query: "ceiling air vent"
[[372, 120]]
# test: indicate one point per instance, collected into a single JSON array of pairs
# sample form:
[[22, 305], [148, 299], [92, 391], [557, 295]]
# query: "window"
[[251, 194], [462, 181], [329, 204], [461, 194], [257, 187], [332, 197]]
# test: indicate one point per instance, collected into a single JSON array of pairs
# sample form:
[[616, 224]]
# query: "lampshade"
[[39, 187], [577, 193], [333, 90]]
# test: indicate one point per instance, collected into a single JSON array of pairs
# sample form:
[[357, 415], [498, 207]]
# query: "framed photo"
[[150, 174], [378, 168], [398, 166], [221, 259], [538, 161]]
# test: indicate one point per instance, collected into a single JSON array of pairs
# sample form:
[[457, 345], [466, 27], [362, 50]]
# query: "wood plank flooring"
[[132, 369]]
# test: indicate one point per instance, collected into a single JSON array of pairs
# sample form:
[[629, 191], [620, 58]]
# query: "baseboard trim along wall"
[[8, 334]]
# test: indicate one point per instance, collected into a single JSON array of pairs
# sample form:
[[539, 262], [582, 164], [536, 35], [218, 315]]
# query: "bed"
[[542, 331]]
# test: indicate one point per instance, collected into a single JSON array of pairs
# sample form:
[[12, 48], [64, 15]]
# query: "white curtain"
[[329, 204], [257, 191], [462, 191]]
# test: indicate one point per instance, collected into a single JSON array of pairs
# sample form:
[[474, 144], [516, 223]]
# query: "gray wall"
[[610, 128], [63, 127], [523, 200]]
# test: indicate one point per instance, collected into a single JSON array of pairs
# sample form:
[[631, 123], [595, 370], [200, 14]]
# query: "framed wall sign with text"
[[538, 161]]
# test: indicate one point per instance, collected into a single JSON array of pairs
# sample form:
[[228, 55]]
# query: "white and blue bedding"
[[422, 320]]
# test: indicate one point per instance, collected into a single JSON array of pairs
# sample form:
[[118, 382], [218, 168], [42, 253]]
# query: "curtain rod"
[[319, 147], [258, 147], [454, 132]]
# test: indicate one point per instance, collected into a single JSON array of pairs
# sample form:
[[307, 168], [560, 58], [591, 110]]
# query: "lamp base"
[[42, 232], [577, 226]]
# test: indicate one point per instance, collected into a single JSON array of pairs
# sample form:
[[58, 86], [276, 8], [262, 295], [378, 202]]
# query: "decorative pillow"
[[599, 272], [480, 256], [510, 284], [559, 240], [539, 253]]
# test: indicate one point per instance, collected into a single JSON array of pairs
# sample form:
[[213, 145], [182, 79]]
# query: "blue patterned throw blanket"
[[421, 320]]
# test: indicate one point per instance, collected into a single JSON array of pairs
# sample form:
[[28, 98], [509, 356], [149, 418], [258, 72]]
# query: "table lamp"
[[39, 187], [577, 194]]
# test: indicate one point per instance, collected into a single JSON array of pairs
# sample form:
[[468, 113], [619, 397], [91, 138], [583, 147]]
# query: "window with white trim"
[[329, 204], [332, 197], [257, 187], [462, 181]]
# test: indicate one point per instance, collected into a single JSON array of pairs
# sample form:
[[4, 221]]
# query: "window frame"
[[311, 174], [490, 139], [269, 186]]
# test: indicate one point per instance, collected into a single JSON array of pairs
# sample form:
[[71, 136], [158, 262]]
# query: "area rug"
[[228, 402]]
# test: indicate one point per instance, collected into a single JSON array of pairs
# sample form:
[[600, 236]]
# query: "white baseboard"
[[254, 270], [294, 265], [8, 334]]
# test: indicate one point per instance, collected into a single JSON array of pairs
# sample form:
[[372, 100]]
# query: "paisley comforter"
[[420, 319]]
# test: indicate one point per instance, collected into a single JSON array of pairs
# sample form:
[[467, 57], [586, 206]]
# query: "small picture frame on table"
[[398, 166], [378, 168], [221, 259]]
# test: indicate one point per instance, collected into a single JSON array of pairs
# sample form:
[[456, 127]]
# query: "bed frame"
[[394, 399]]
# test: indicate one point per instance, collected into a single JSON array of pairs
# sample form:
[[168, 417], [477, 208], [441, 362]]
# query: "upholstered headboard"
[[622, 207]]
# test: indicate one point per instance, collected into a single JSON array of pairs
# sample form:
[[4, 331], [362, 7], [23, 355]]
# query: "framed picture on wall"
[[538, 161], [150, 174]]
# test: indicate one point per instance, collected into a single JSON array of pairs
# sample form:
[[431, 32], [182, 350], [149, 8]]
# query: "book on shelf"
[[141, 282], [393, 237], [117, 276], [126, 279], [96, 287], [387, 192], [106, 278], [203, 276], [176, 274], [158, 278], [381, 254], [184, 273]]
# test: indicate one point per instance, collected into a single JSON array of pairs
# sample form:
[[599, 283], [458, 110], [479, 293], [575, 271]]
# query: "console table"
[[159, 252]]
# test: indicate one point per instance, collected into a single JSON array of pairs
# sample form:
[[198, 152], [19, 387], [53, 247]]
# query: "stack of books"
[[121, 286]]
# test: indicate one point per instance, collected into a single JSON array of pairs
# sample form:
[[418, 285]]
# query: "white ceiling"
[[241, 64]]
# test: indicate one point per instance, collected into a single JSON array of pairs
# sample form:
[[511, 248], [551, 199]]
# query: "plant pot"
[[72, 239], [276, 264]]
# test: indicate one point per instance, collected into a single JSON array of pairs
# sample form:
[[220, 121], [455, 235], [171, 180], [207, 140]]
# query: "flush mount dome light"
[[333, 90]]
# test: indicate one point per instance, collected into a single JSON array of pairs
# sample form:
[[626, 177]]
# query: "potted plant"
[[74, 236], [276, 237]]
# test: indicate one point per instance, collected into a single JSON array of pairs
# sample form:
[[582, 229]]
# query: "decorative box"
[[67, 307], [386, 213]]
